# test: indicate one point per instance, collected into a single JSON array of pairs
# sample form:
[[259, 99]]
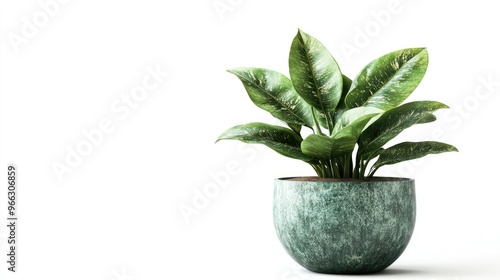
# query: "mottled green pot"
[[344, 227]]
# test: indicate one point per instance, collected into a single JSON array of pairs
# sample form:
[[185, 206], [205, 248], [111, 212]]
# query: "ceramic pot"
[[344, 226]]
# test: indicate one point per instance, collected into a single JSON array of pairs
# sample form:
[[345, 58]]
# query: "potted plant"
[[345, 220]]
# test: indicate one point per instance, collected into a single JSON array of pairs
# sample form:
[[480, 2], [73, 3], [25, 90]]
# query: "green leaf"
[[295, 127], [324, 147], [387, 81], [274, 93], [393, 122], [411, 150], [427, 119], [314, 72], [355, 114], [283, 140], [341, 107], [351, 131]]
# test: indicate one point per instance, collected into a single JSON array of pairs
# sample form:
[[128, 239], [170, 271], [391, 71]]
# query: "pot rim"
[[316, 179]]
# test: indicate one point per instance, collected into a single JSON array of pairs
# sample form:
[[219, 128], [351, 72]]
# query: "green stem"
[[318, 170], [338, 165], [362, 171], [355, 172], [317, 128], [329, 122], [370, 157], [372, 172], [328, 166], [336, 170], [347, 165], [357, 168], [322, 171]]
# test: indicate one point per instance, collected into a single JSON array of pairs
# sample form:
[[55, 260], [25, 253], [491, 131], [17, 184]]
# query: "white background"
[[116, 213]]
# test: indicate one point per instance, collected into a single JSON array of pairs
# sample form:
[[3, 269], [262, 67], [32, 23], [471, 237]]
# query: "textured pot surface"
[[344, 227]]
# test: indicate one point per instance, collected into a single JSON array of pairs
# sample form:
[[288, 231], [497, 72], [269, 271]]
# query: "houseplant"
[[345, 220]]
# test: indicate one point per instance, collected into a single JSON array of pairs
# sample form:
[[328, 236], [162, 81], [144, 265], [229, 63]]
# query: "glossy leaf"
[[353, 130], [295, 127], [324, 147], [281, 139], [341, 107], [387, 81], [411, 150], [314, 73], [361, 115], [353, 115], [427, 119], [393, 122], [274, 93]]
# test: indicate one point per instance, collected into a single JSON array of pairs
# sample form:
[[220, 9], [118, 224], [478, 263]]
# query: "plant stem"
[[318, 170], [329, 169], [372, 172], [335, 168], [317, 128], [329, 122], [347, 166], [339, 166], [365, 164], [359, 160], [362, 171]]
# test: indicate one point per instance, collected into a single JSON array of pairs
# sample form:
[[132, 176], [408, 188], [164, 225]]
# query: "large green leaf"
[[281, 139], [341, 107], [314, 73], [411, 150], [324, 147], [393, 122], [387, 81], [274, 93]]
